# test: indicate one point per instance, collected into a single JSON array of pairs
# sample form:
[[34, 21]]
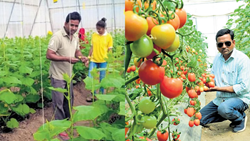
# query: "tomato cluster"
[[156, 75]]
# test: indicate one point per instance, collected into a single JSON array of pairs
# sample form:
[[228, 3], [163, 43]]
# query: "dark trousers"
[[59, 101]]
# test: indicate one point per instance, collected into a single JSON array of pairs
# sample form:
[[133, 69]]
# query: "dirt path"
[[221, 131], [30, 126]]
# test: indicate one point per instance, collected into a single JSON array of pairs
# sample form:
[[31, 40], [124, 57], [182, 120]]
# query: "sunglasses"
[[227, 43]]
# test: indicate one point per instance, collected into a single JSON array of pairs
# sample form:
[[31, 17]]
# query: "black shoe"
[[241, 127]]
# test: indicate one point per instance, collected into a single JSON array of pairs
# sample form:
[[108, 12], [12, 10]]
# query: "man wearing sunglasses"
[[231, 69]]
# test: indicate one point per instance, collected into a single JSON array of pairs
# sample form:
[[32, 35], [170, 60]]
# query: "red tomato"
[[192, 93], [182, 68], [151, 23], [192, 102], [171, 87], [182, 16], [175, 22], [183, 76], [197, 88], [191, 123], [135, 26], [187, 89], [198, 115], [211, 84], [212, 75], [196, 122], [185, 111], [128, 70], [150, 73], [190, 111], [162, 136], [191, 77], [138, 81], [164, 35], [132, 68], [185, 72], [153, 54]]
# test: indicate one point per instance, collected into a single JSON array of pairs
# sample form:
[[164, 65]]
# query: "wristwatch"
[[88, 57]]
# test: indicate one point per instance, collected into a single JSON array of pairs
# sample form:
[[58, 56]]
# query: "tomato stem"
[[185, 34], [131, 80]]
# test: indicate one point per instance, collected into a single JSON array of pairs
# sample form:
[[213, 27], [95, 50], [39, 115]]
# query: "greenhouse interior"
[[114, 70]]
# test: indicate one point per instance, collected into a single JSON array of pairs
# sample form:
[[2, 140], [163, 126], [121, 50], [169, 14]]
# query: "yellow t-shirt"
[[101, 44]]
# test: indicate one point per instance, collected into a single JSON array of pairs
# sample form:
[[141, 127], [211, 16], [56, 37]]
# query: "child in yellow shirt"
[[101, 43]]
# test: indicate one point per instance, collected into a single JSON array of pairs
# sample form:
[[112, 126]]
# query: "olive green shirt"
[[61, 44]]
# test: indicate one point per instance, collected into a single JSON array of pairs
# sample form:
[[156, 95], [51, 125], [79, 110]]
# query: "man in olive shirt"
[[63, 51]]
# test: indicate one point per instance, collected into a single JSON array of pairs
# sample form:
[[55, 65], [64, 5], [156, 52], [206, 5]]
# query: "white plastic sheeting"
[[210, 16], [22, 18]]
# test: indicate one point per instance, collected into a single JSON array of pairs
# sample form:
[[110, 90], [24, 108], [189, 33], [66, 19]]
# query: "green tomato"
[[149, 122], [175, 44], [146, 105], [142, 47]]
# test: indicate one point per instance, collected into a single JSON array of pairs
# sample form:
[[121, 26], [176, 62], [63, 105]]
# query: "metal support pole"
[[80, 11], [97, 1], [32, 26], [22, 17], [9, 19], [50, 16], [113, 2]]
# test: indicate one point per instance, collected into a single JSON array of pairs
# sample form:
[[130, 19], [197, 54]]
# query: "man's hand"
[[85, 60], [215, 88], [72, 60]]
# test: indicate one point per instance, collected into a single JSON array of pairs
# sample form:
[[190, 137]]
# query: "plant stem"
[[131, 80]]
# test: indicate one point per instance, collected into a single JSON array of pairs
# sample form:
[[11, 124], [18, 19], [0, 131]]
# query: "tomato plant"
[[173, 65]]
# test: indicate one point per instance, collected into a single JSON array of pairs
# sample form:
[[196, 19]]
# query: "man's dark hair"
[[102, 23], [73, 16], [223, 32]]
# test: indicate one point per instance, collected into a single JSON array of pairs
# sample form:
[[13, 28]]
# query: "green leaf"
[[27, 81], [3, 109], [87, 113], [42, 135], [11, 80], [8, 97], [25, 69], [118, 134], [32, 111], [54, 127], [66, 78], [90, 133], [61, 90], [12, 123], [80, 139], [3, 73], [135, 93], [32, 98], [21, 109], [110, 81], [105, 97], [245, 39], [90, 82], [122, 108]]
